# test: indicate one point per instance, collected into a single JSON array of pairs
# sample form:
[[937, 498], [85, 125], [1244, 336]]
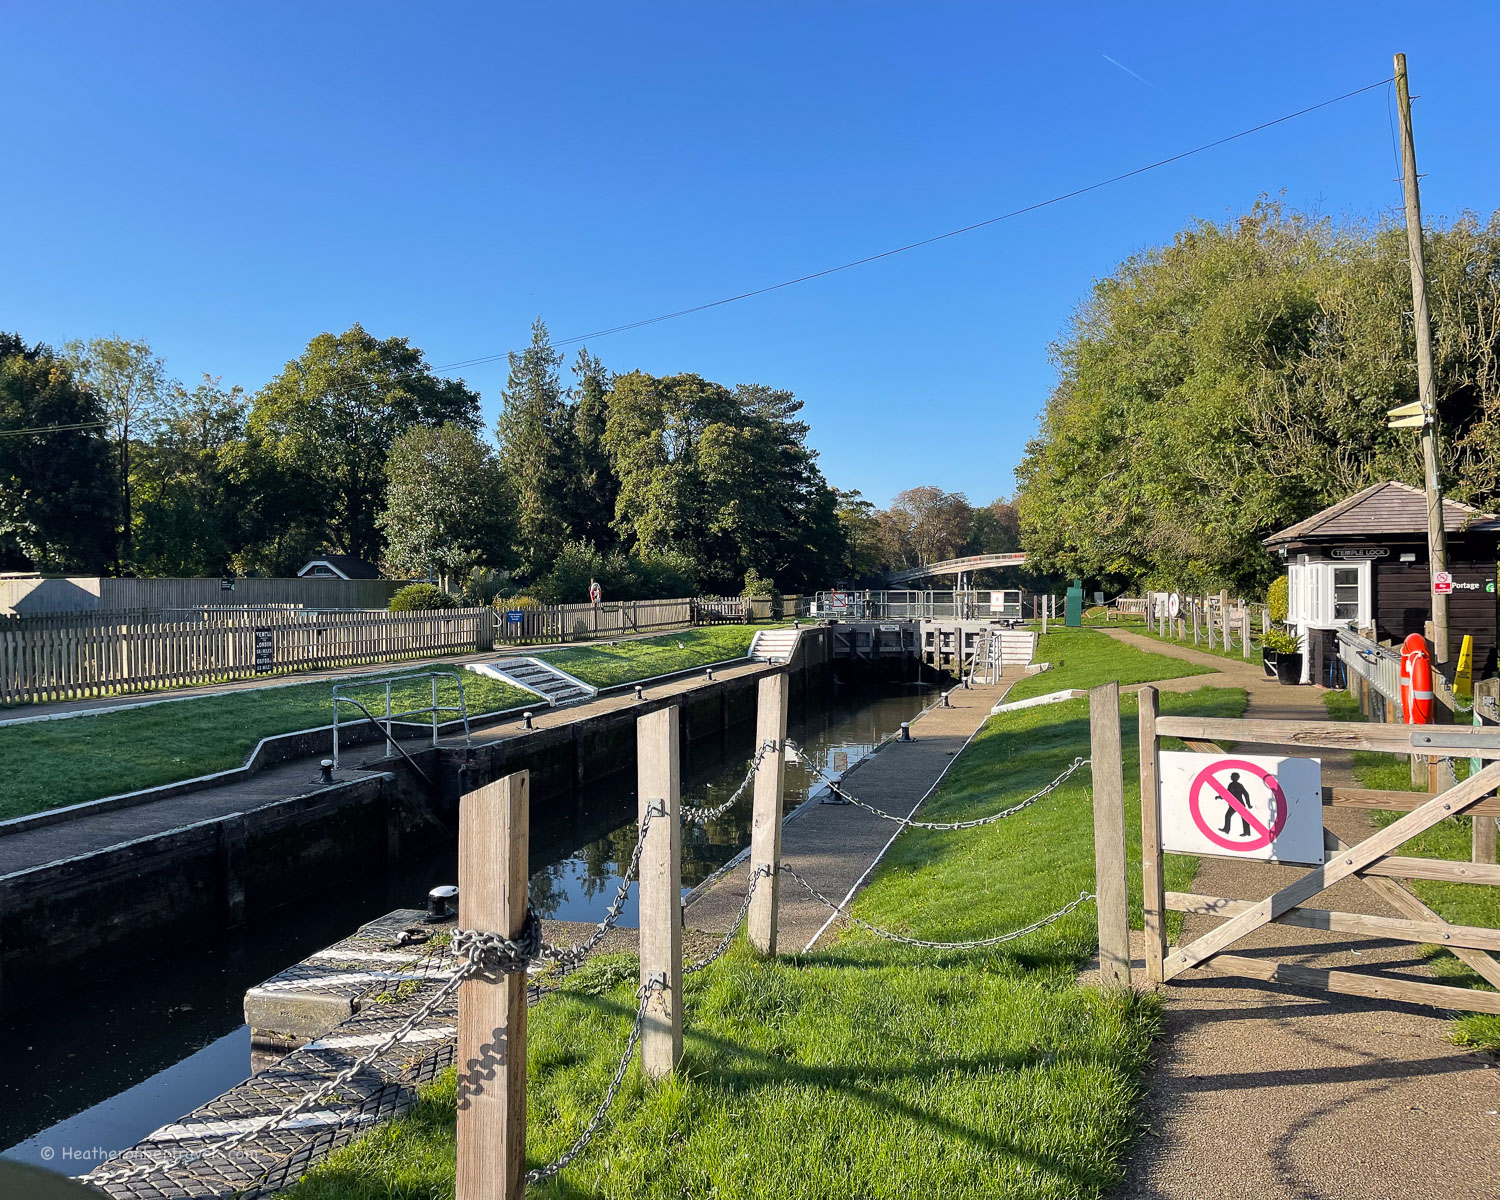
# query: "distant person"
[[1237, 790]]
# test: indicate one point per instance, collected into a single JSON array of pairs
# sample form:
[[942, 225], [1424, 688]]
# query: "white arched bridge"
[[956, 566]]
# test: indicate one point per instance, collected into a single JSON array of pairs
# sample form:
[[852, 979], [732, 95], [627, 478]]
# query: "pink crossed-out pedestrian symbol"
[[1207, 785]]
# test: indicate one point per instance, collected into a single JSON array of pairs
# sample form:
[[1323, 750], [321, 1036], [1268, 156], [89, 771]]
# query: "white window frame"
[[1315, 597]]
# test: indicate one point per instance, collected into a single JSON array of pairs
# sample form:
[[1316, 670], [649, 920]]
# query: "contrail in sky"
[[1128, 71]]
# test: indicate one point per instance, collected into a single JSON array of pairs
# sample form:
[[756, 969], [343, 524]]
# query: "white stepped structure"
[[774, 645], [554, 686], [998, 649]]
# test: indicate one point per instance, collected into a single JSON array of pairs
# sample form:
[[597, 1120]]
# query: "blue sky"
[[228, 181]]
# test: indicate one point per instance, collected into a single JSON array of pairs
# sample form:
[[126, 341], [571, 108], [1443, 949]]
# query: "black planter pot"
[[1268, 661], [1289, 668]]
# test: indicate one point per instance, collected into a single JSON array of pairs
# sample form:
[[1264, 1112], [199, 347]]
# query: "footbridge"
[[956, 566]]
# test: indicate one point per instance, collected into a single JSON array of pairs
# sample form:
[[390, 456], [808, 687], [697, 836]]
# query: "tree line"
[[652, 485], [1237, 380]]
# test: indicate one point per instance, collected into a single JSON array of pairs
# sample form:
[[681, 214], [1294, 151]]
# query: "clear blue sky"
[[228, 181]]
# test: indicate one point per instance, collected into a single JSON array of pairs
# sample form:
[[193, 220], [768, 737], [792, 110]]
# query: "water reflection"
[[576, 882], [104, 1065]]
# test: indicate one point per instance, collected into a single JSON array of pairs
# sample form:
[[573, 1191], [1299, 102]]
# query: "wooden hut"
[[1362, 564]]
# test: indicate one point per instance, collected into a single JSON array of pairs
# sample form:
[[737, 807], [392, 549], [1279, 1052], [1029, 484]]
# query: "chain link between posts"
[[483, 952], [644, 993], [570, 957], [703, 815], [838, 790], [975, 944], [760, 872]]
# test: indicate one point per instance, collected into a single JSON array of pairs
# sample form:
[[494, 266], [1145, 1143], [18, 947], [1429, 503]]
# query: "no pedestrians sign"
[[1251, 806]]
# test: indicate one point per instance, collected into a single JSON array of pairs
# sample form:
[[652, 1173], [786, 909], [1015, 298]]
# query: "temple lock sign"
[[1253, 806]]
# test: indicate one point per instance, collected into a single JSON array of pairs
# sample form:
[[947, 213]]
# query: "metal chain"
[[644, 992], [838, 790], [760, 872], [570, 957], [466, 970], [491, 952], [690, 813], [1083, 897]]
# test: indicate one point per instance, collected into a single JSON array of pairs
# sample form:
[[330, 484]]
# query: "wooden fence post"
[[765, 828], [1245, 630], [491, 1054], [1108, 767], [660, 789], [1153, 889]]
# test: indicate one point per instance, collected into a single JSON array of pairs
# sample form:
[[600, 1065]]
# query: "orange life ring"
[[1416, 681]]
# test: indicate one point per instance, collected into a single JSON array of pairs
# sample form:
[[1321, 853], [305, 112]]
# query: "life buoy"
[[1416, 681]]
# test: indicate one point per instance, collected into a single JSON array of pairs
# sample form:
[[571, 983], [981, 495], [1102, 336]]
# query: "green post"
[[1073, 618]]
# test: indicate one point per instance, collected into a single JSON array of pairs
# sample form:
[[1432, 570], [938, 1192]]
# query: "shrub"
[[664, 575], [1276, 598], [482, 586], [759, 587], [1280, 642], [421, 597]]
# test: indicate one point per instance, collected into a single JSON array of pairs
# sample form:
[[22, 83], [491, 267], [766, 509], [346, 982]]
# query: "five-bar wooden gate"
[[1373, 860]]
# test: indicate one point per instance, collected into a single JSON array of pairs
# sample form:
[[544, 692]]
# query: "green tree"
[[131, 382], [188, 506], [934, 524], [593, 486], [57, 486], [537, 453], [722, 475], [445, 500], [1231, 383], [329, 419]]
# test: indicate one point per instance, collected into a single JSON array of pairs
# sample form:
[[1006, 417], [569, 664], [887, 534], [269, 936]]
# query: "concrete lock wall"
[[115, 909]]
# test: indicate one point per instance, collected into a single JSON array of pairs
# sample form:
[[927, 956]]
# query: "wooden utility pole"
[[1437, 538]]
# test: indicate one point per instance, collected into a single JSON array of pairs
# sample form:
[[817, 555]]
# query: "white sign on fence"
[[1242, 806]]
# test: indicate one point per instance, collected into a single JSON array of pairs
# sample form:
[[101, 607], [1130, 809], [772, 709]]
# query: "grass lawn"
[[1083, 658], [1459, 903], [46, 764], [1236, 654], [867, 1068]]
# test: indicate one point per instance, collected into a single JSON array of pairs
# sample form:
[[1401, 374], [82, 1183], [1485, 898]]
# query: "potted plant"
[[1287, 650], [1276, 604]]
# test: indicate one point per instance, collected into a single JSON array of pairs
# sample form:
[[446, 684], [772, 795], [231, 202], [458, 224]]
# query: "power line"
[[859, 262], [53, 428]]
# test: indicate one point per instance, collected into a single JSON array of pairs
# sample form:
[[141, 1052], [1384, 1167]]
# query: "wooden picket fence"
[[563, 622], [66, 656], [62, 656]]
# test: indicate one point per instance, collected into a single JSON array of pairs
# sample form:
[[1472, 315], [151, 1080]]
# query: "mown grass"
[[1235, 655], [866, 1068], [1459, 903], [1084, 657], [47, 764]]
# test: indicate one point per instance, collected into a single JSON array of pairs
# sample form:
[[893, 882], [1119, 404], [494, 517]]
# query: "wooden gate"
[[1373, 860]]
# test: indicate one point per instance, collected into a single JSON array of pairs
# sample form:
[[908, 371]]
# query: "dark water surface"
[[95, 1071]]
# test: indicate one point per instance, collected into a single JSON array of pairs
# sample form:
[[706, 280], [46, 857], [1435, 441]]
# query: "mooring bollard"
[[526, 717], [442, 903], [905, 731], [709, 674], [946, 703], [325, 770], [640, 692]]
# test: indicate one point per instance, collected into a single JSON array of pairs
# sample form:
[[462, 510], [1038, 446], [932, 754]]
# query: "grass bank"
[[1459, 903], [1235, 655], [1080, 658], [866, 1068], [47, 764]]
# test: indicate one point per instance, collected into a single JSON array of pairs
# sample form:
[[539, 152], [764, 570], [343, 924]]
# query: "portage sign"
[[1242, 806]]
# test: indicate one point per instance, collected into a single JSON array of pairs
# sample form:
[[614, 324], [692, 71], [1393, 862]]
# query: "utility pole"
[[1437, 537]]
